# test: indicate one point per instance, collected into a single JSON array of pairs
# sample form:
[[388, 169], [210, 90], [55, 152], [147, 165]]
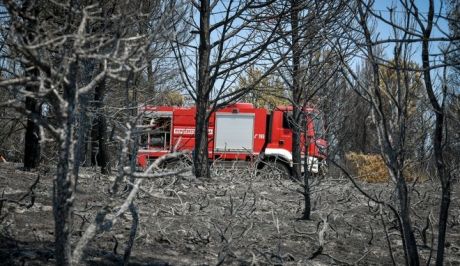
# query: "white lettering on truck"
[[259, 136], [189, 131]]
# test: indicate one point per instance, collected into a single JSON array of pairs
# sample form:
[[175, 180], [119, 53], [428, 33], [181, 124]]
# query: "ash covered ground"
[[236, 218]]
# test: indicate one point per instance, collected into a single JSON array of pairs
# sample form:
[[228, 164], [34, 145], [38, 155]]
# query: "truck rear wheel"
[[275, 169], [177, 163]]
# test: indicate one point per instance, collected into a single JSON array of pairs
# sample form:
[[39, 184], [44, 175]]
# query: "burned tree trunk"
[[99, 130], [409, 242], [200, 156], [32, 135], [441, 167], [306, 183], [32, 139], [64, 181], [84, 131], [438, 146], [296, 92]]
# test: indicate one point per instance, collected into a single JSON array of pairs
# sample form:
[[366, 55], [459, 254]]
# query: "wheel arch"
[[275, 158]]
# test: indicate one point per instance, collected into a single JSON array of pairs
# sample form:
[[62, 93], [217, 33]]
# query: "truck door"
[[285, 138]]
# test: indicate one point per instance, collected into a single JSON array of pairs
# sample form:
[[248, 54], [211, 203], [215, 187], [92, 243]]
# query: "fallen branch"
[[321, 238], [31, 192], [158, 175], [105, 221], [101, 223]]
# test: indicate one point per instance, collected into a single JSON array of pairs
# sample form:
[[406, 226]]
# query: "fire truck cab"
[[237, 132]]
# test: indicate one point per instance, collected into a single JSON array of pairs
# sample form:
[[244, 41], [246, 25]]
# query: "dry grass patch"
[[371, 168]]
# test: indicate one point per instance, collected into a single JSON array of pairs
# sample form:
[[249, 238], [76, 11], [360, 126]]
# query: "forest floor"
[[235, 218]]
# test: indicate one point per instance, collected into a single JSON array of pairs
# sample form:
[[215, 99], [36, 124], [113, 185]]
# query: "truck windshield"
[[316, 117], [318, 124]]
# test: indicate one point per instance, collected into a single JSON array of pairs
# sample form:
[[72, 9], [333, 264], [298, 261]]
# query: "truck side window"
[[287, 120], [318, 125]]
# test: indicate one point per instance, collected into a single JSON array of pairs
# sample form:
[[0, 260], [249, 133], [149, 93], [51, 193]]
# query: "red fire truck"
[[237, 132]]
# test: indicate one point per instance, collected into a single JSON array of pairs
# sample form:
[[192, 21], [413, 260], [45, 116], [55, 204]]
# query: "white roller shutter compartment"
[[234, 132]]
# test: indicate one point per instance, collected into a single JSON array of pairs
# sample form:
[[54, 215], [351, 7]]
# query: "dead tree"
[[307, 27], [32, 139], [438, 104], [99, 130], [296, 96], [222, 51], [62, 42], [418, 28], [32, 134], [391, 125]]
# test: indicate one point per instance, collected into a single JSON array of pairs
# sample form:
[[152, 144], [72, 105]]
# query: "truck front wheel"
[[275, 169]]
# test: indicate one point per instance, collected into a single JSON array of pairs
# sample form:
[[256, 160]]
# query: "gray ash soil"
[[235, 218]]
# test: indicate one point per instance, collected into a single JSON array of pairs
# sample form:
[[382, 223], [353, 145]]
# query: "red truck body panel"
[[236, 132]]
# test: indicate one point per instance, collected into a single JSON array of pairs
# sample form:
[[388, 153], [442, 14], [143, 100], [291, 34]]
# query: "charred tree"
[[84, 120], [32, 135], [225, 46], [306, 181], [296, 92], [391, 129], [309, 59], [200, 156], [33, 108], [63, 42], [100, 155], [64, 181], [438, 136]]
